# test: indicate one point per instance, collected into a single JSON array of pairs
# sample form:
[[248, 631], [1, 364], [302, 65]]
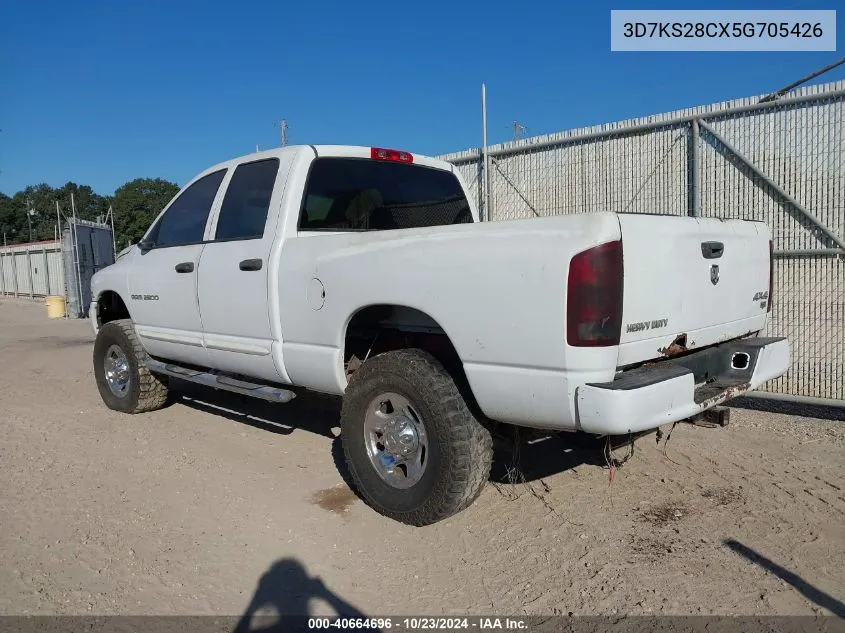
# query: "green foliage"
[[136, 204], [30, 214]]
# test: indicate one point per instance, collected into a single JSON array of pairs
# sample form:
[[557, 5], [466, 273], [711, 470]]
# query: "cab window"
[[184, 221], [243, 214]]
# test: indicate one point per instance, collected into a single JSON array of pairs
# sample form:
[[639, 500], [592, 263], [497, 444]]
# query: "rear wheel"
[[415, 451], [123, 380]]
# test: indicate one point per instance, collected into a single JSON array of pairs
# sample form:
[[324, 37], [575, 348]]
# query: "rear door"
[[234, 270], [163, 280], [690, 282]]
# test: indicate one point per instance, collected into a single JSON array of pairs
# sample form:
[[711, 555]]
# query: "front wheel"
[[415, 451], [120, 369]]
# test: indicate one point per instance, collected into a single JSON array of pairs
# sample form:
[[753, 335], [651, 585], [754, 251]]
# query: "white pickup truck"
[[364, 272]]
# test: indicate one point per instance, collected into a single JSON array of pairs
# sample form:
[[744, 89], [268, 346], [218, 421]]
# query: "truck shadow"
[[518, 455], [523, 456], [308, 412], [521, 460]]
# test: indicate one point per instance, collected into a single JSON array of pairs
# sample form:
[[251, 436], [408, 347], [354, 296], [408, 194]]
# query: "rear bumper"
[[679, 388]]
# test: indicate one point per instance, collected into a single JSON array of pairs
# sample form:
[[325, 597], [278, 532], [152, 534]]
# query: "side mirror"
[[145, 245]]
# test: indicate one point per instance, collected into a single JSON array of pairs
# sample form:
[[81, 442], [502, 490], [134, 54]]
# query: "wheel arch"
[[395, 327], [111, 307]]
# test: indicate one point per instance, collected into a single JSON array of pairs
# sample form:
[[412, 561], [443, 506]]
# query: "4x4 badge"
[[714, 274]]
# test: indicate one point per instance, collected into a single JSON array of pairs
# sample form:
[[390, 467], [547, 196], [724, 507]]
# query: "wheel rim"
[[117, 372], [396, 441]]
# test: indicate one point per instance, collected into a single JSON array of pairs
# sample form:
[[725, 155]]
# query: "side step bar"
[[226, 383]]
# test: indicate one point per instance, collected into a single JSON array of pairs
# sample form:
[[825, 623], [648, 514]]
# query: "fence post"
[[47, 292], [485, 158], [15, 271], [695, 170], [29, 269]]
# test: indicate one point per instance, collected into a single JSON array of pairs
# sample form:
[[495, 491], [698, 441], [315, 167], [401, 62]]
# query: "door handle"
[[185, 267], [251, 264], [712, 250]]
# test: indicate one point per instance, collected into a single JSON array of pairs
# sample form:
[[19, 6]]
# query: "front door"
[[233, 273], [163, 279]]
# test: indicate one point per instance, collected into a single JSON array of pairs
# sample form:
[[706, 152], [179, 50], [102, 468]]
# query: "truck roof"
[[322, 151]]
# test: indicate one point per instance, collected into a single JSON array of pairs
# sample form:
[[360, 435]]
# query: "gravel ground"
[[219, 505]]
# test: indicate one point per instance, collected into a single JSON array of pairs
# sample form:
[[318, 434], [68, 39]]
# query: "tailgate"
[[690, 282]]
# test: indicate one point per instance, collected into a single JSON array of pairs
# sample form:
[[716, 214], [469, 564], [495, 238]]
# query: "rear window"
[[354, 194]]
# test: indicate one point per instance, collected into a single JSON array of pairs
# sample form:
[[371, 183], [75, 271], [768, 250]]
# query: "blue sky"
[[104, 92]]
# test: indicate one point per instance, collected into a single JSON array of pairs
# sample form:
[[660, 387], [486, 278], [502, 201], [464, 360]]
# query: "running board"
[[216, 381]]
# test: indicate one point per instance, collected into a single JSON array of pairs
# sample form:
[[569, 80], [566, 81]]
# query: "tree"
[[10, 223], [136, 204], [29, 214]]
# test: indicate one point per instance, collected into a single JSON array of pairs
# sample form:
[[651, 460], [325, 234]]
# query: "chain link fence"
[[781, 162]]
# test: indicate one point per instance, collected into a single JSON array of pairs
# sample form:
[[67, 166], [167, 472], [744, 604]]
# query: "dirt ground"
[[218, 505]]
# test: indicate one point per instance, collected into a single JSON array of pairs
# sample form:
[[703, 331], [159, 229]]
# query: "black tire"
[[460, 450], [146, 391]]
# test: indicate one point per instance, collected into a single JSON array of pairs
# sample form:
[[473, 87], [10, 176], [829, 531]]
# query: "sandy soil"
[[216, 502]]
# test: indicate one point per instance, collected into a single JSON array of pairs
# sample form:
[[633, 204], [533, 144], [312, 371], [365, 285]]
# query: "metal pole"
[[15, 272], [2, 266], [47, 292], [838, 240], [75, 235], [113, 239], [811, 252], [788, 397], [29, 220], [485, 196], [779, 93], [695, 170], [29, 268]]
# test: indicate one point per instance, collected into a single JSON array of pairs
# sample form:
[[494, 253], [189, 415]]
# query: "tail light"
[[594, 297], [771, 275], [395, 155]]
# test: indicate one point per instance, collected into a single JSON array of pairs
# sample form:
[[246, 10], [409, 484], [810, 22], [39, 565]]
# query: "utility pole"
[[110, 215], [29, 217], [485, 170], [284, 128]]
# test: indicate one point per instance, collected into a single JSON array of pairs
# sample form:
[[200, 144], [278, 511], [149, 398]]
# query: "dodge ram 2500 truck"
[[364, 272]]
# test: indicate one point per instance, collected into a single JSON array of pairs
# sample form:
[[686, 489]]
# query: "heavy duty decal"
[[646, 325], [145, 297]]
